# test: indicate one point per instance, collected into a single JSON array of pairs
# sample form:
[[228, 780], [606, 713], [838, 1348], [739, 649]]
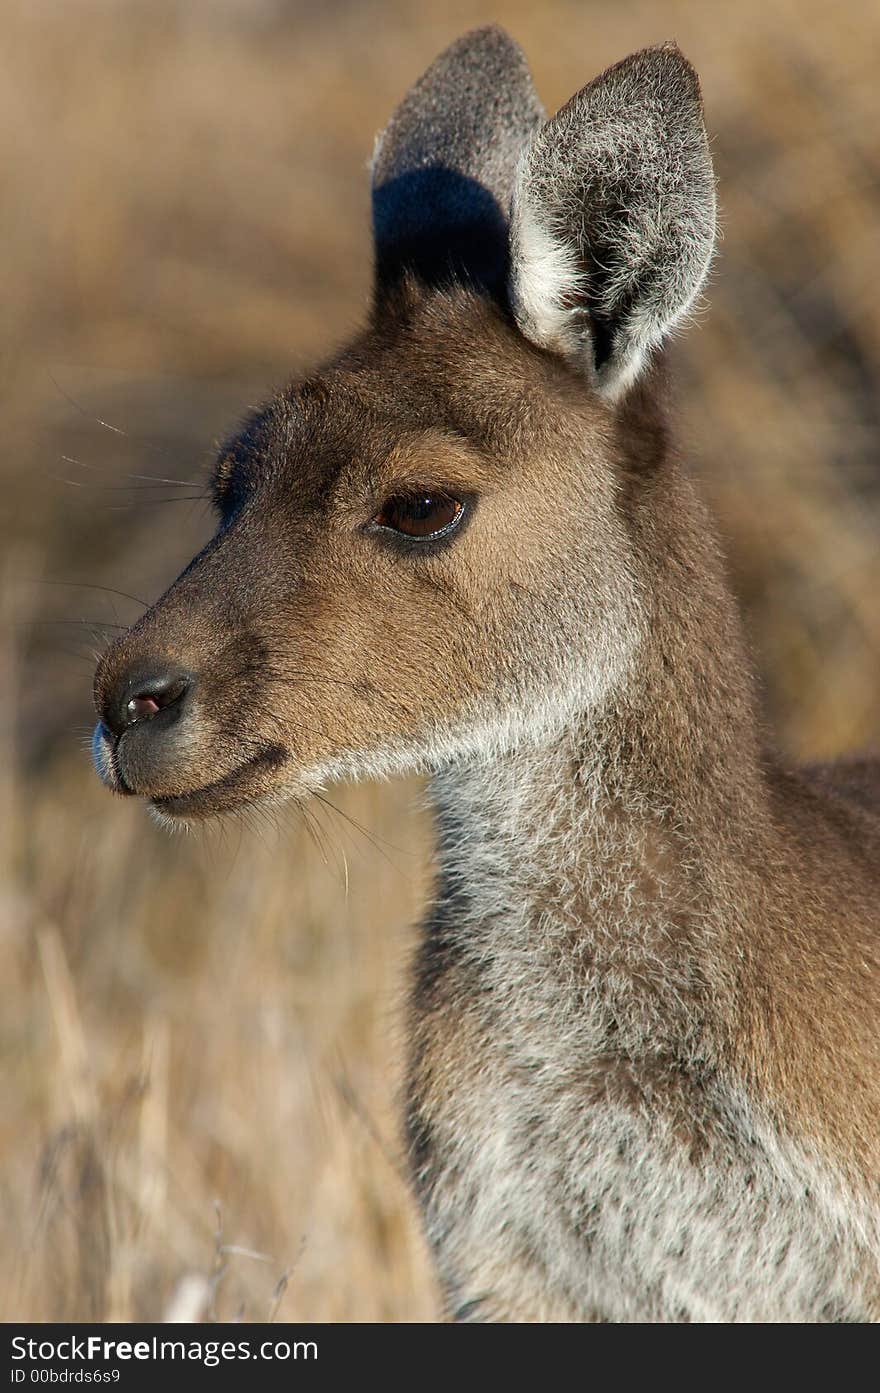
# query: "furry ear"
[[445, 166], [614, 217]]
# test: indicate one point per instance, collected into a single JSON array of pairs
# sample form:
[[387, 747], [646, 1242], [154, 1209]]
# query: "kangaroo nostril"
[[138, 692], [142, 708], [155, 695]]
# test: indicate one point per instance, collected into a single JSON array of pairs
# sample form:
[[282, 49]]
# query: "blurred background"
[[199, 1037]]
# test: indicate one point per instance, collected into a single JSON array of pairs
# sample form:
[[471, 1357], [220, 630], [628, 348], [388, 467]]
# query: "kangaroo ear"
[[444, 168], [614, 217]]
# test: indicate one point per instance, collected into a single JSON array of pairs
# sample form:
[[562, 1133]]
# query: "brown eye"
[[421, 514]]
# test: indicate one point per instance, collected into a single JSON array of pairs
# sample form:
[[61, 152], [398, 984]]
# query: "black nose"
[[143, 694]]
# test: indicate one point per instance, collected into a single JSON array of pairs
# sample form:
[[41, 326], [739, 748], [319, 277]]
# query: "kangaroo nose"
[[144, 694]]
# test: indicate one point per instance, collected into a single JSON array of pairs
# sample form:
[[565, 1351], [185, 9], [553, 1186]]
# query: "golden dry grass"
[[198, 1035]]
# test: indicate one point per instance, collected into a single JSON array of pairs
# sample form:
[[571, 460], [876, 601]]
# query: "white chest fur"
[[581, 1151]]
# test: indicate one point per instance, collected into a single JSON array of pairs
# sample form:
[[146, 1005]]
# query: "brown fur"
[[650, 979]]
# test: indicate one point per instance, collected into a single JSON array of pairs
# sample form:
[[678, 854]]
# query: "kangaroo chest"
[[575, 1161]]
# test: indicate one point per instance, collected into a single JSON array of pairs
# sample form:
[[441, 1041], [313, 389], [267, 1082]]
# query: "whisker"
[[246, 815], [340, 861], [89, 623], [149, 478], [106, 425], [315, 831], [89, 658], [376, 842], [122, 488], [150, 502], [90, 585]]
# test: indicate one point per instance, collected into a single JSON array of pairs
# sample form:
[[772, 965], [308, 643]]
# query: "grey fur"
[[614, 218]]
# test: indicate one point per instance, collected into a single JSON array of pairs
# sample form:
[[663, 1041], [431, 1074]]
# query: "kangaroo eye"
[[422, 514]]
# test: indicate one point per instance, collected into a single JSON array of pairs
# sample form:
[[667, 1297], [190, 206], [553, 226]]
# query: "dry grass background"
[[198, 1035]]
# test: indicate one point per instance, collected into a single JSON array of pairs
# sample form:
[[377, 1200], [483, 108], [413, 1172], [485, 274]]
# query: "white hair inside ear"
[[613, 219]]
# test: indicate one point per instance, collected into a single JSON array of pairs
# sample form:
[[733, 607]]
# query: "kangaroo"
[[643, 1071]]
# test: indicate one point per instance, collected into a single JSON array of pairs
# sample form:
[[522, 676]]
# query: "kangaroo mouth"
[[246, 784]]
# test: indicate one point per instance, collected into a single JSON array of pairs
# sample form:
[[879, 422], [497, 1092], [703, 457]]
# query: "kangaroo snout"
[[177, 698], [144, 702], [165, 728]]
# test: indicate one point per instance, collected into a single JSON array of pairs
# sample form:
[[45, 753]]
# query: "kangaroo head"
[[422, 551]]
